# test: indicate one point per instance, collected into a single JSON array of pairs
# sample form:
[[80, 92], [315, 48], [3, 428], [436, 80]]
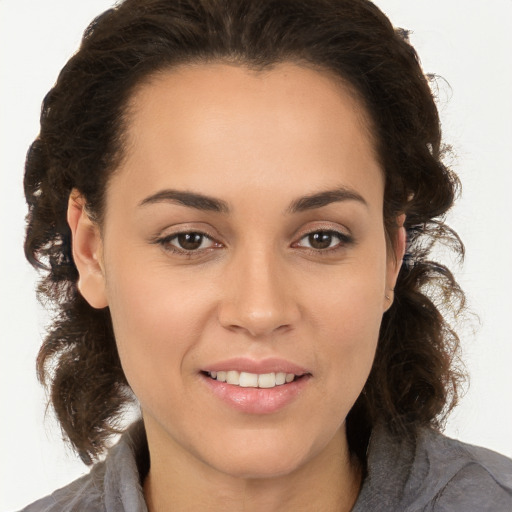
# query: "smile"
[[253, 380]]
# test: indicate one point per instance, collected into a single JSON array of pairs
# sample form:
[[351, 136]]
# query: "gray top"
[[431, 473]]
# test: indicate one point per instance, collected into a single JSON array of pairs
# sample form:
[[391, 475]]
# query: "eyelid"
[[185, 227], [168, 235], [315, 227], [345, 237], [204, 237]]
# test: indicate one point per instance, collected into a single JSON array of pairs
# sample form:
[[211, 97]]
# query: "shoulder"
[[86, 493], [113, 485], [478, 479], [433, 473]]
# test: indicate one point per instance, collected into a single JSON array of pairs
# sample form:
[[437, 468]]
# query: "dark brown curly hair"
[[413, 381]]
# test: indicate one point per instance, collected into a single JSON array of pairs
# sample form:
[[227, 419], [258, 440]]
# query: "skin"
[[256, 287]]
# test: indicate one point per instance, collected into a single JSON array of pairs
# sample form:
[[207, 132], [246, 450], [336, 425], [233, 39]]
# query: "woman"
[[236, 202]]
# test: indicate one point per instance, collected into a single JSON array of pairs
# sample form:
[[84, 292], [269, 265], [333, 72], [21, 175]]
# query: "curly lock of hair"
[[413, 381]]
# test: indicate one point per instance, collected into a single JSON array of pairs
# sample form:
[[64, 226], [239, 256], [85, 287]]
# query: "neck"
[[330, 481]]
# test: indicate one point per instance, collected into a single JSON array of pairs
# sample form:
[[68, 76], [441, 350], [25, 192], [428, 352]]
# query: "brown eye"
[[323, 240], [320, 239], [190, 241], [187, 242]]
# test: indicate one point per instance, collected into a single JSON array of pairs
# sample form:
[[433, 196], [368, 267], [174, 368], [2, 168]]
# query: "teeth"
[[233, 377], [267, 380], [253, 380], [248, 380]]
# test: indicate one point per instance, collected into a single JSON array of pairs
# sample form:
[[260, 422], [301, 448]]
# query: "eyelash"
[[344, 240], [165, 243]]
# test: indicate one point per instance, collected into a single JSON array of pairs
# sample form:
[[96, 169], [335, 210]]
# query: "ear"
[[395, 259], [87, 252]]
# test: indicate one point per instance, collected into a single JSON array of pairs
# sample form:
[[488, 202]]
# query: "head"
[[320, 98]]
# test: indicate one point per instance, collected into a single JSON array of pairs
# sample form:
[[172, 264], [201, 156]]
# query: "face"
[[243, 240]]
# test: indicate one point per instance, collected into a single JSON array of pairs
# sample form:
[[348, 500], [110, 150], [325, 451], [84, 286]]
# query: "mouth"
[[256, 393], [253, 380], [252, 386]]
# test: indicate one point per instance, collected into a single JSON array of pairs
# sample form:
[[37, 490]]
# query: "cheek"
[[351, 299], [350, 332], [347, 323], [157, 321]]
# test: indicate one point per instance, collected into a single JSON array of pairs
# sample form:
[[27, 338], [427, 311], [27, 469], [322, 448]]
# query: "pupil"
[[190, 241], [320, 240]]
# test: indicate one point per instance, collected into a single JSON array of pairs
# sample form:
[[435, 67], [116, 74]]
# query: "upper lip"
[[244, 364]]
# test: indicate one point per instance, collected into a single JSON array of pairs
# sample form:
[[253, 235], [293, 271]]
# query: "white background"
[[468, 43]]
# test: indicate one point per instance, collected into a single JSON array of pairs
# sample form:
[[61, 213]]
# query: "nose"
[[258, 296]]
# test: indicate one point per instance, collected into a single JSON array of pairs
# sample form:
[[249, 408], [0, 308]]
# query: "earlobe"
[[87, 252]]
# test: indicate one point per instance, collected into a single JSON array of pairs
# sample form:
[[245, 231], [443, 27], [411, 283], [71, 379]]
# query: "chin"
[[261, 458], [258, 466]]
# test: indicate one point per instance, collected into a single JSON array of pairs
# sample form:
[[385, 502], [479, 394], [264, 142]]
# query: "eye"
[[323, 240], [187, 242]]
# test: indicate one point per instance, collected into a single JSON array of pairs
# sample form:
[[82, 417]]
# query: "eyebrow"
[[325, 198], [190, 199], [211, 204]]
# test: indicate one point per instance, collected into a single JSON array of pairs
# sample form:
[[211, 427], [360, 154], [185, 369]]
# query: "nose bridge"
[[258, 298]]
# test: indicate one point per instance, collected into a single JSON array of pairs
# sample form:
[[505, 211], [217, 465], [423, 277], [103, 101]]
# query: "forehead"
[[209, 124], [194, 91]]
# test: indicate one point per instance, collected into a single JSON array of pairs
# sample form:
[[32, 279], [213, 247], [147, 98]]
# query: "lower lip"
[[257, 400]]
